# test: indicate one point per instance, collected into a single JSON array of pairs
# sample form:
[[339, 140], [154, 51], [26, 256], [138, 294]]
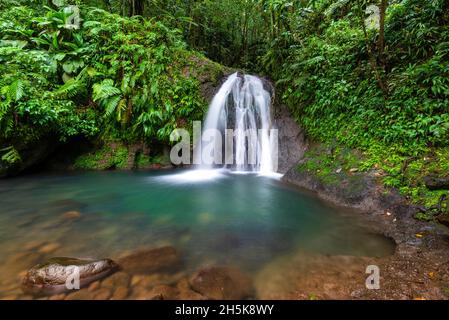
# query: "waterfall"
[[243, 105]]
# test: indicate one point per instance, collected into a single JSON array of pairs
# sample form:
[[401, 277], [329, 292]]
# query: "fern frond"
[[16, 90], [104, 90], [70, 89]]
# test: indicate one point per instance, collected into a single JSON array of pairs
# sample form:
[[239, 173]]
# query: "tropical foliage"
[[108, 75], [371, 75]]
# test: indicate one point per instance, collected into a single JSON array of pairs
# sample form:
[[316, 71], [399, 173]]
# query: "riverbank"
[[419, 269]]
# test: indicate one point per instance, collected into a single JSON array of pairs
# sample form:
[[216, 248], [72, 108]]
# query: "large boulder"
[[51, 277], [222, 283], [147, 260]]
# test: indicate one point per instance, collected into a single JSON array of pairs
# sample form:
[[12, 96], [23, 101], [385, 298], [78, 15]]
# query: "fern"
[[70, 89], [104, 90], [16, 90], [11, 155]]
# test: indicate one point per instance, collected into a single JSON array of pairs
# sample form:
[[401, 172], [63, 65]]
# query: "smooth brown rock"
[[163, 259], [185, 292], [102, 294], [94, 286], [118, 279], [121, 293], [82, 294], [23, 260], [71, 215], [162, 292], [11, 297], [49, 248], [222, 283], [61, 296], [140, 293], [136, 279], [32, 245], [150, 281]]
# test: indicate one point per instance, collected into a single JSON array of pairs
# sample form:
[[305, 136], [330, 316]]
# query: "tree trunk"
[[139, 7], [371, 56], [383, 10]]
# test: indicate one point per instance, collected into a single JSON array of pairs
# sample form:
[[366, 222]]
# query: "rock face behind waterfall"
[[292, 141]]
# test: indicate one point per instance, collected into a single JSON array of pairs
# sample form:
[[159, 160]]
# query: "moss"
[[405, 173], [330, 164], [145, 161], [110, 156]]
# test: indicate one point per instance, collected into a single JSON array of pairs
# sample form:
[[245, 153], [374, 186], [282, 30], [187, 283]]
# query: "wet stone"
[[147, 260], [49, 248], [71, 215], [120, 293], [50, 278], [94, 286], [118, 279], [102, 294], [82, 294], [61, 296], [222, 283]]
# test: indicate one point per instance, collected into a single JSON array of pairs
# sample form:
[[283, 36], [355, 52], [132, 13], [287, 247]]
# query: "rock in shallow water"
[[149, 260], [50, 277], [222, 283]]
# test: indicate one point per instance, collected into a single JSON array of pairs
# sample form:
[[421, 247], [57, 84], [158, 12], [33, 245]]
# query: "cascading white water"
[[241, 104]]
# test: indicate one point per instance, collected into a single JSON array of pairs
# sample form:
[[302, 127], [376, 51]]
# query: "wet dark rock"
[[444, 219], [32, 154], [292, 140], [351, 190], [147, 260], [436, 183], [222, 283], [50, 278]]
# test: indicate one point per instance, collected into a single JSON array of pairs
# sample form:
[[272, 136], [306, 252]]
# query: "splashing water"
[[241, 104]]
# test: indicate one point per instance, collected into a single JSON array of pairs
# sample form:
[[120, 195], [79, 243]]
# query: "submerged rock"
[[119, 279], [50, 277], [120, 293], [49, 247], [71, 215], [150, 260], [222, 283]]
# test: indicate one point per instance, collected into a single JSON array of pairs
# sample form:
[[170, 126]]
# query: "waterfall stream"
[[239, 124]]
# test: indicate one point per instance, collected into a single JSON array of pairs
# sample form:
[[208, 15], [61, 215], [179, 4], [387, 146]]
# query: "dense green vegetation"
[[113, 76], [378, 84]]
